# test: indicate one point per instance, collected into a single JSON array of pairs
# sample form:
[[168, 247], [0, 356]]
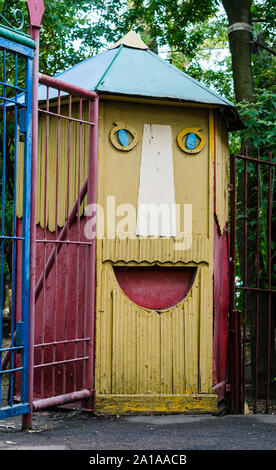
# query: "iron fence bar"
[[7, 237], [11, 348], [232, 253], [63, 362], [63, 242], [14, 87], [269, 218], [8, 371], [257, 289], [14, 242], [256, 160], [258, 286], [234, 327], [61, 116], [12, 101], [234, 315], [68, 263], [3, 217], [45, 206], [245, 275], [54, 343]]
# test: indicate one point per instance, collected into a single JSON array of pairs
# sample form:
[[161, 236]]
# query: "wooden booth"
[[161, 288]]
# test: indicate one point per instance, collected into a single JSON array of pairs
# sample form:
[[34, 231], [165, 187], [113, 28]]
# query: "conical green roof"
[[129, 68]]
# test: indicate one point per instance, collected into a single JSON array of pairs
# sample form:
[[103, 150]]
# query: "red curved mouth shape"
[[155, 287]]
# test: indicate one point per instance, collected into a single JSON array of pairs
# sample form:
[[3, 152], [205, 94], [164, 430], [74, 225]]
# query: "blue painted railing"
[[15, 119]]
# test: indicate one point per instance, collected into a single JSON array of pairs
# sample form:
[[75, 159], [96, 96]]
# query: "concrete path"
[[74, 430]]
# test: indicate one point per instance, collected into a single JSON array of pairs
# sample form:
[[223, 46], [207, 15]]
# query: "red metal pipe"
[[66, 87], [62, 399]]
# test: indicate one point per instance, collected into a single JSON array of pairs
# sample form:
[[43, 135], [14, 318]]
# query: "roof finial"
[[131, 39]]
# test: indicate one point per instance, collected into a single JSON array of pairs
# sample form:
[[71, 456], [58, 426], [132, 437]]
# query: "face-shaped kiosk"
[[161, 247]]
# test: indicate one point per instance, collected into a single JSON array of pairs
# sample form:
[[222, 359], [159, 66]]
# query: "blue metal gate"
[[16, 68]]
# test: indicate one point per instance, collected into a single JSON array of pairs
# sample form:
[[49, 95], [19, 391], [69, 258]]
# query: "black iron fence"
[[252, 315]]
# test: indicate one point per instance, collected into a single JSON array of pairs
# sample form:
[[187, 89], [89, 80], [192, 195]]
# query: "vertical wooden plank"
[[154, 339], [191, 340], [124, 348], [131, 342], [166, 352], [205, 332], [178, 351], [118, 346], [142, 353], [104, 334], [148, 352]]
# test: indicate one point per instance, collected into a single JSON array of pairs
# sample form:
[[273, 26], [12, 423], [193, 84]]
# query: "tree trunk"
[[238, 11]]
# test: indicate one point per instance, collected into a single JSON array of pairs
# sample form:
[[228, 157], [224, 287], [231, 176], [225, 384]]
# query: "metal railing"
[[252, 283]]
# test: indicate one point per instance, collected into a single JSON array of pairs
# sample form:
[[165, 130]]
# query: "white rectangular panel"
[[156, 199]]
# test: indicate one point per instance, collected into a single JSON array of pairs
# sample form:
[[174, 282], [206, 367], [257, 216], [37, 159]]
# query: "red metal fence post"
[[91, 255], [36, 9]]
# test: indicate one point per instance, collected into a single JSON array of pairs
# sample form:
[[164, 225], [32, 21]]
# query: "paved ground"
[[74, 430]]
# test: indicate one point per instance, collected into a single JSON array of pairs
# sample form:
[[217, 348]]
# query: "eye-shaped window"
[[123, 137], [191, 140]]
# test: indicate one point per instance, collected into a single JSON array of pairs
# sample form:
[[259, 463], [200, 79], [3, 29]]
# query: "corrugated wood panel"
[[155, 249], [145, 352]]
